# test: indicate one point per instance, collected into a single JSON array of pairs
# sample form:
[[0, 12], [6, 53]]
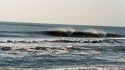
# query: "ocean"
[[25, 45]]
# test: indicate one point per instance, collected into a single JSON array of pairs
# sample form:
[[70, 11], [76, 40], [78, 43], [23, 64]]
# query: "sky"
[[83, 12]]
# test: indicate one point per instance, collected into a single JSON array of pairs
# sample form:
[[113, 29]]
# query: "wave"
[[70, 32], [91, 67], [61, 33], [62, 40]]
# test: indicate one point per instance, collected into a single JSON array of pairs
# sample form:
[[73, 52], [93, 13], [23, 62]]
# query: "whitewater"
[[51, 46]]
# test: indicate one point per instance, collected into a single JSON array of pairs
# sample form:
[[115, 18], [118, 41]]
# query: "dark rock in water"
[[95, 42], [40, 48], [5, 48], [87, 42], [9, 41], [22, 49]]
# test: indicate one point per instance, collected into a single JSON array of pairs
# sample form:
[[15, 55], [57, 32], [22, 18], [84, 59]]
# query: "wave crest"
[[80, 34]]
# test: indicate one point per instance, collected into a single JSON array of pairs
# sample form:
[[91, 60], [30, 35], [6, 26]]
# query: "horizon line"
[[39, 23]]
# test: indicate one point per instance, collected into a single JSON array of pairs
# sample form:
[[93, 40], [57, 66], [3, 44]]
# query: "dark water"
[[27, 45]]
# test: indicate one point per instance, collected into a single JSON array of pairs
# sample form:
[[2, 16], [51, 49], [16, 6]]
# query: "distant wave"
[[2, 35], [80, 34], [69, 32]]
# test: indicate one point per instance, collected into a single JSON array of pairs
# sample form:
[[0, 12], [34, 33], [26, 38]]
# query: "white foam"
[[95, 31], [90, 67], [63, 29]]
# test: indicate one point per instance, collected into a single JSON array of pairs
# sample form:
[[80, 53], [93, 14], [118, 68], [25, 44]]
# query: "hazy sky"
[[86, 12]]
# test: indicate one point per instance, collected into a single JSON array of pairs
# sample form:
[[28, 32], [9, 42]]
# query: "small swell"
[[1, 35]]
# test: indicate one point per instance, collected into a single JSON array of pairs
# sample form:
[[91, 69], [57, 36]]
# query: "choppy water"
[[26, 45]]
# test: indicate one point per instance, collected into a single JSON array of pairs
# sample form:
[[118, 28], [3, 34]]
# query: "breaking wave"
[[86, 33], [63, 40], [61, 32]]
